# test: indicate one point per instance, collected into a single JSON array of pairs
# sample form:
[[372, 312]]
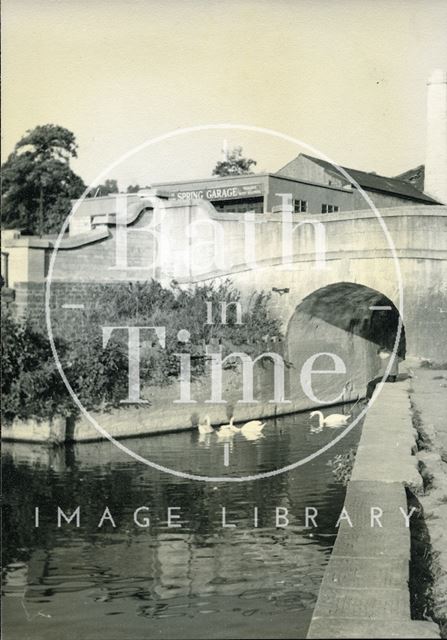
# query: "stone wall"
[[369, 553], [356, 251]]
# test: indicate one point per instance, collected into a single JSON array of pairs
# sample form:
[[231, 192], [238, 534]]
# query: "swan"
[[333, 421], [252, 435], [250, 430], [205, 427], [225, 436], [252, 427], [228, 429]]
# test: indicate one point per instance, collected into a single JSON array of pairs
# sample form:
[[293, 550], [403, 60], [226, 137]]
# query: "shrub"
[[342, 465], [31, 384], [150, 304], [33, 388]]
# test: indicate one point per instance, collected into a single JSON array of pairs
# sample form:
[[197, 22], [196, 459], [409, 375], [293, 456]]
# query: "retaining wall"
[[365, 589]]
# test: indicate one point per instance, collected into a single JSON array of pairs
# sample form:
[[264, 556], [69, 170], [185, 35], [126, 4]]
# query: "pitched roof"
[[375, 182], [415, 176]]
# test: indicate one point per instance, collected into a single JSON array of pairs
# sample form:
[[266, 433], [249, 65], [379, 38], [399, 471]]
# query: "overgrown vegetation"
[[31, 384], [342, 465], [33, 388]]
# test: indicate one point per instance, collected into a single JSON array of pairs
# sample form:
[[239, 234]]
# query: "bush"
[[150, 304], [342, 465], [33, 388], [31, 384]]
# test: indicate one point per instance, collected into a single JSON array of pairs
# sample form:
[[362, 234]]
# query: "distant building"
[[305, 185], [315, 187]]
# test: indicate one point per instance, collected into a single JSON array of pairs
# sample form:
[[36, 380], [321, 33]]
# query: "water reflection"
[[201, 580]]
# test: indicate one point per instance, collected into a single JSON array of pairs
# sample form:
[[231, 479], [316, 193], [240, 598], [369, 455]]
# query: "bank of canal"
[[368, 590], [428, 395]]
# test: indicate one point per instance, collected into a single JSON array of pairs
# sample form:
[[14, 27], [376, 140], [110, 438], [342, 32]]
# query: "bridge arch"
[[350, 320]]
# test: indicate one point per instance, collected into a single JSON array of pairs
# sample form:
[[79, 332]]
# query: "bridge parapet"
[[192, 243]]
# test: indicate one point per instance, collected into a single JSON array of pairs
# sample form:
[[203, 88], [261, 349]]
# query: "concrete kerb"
[[365, 591]]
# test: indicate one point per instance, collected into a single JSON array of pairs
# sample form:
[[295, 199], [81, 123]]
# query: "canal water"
[[200, 580]]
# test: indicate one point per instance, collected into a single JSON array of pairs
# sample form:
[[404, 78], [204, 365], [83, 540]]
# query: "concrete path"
[[388, 440], [365, 593]]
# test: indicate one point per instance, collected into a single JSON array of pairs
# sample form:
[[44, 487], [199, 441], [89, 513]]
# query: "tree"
[[234, 164], [109, 186], [49, 141], [37, 181], [135, 188]]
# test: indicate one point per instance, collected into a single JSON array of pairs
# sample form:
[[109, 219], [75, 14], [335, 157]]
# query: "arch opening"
[[353, 322]]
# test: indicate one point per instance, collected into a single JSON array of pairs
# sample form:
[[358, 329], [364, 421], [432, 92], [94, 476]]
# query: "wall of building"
[[219, 190], [304, 169], [314, 186], [315, 195], [346, 199], [380, 200]]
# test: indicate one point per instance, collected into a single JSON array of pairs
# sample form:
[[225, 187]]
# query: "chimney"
[[436, 153]]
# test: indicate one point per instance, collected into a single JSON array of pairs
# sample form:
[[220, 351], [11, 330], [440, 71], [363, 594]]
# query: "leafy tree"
[[109, 186], [49, 141], [134, 188], [37, 181], [234, 164]]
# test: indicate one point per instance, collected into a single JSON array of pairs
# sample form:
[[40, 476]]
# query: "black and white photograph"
[[224, 319]]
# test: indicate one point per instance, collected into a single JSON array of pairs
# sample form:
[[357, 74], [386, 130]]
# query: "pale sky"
[[345, 76]]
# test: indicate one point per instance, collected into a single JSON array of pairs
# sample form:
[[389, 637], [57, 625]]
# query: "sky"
[[347, 77]]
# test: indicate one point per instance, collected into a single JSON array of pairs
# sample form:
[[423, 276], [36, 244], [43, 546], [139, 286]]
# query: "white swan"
[[225, 436], [252, 435], [250, 430], [333, 421], [205, 427], [228, 429], [252, 427]]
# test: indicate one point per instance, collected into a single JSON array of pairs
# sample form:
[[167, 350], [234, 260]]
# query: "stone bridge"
[[357, 271], [327, 274]]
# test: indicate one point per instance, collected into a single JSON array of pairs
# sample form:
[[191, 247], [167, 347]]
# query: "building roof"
[[375, 182], [415, 176]]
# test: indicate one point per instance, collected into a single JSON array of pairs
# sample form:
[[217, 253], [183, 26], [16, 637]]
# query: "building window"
[[300, 206], [329, 208], [239, 205]]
